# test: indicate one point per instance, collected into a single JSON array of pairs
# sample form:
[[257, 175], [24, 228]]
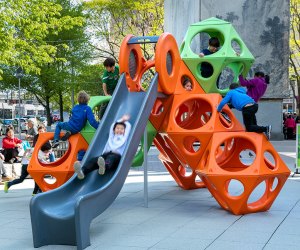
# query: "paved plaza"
[[174, 218]]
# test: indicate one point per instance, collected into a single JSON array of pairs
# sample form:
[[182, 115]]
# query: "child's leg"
[[36, 189], [51, 157], [9, 152], [112, 161], [24, 174], [89, 169], [59, 127]]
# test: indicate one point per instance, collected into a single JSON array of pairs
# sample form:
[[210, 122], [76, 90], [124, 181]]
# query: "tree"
[[111, 21], [24, 26], [294, 55]]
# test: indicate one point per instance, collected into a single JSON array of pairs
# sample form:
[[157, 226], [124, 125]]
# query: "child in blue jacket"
[[80, 114], [241, 101]]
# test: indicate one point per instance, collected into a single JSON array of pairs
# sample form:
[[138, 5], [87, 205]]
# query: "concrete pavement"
[[174, 219]]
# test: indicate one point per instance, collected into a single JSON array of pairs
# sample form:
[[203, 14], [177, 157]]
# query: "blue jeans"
[[51, 157], [62, 126]]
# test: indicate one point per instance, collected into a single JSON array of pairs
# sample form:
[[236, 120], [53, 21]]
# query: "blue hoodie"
[[80, 114], [237, 97]]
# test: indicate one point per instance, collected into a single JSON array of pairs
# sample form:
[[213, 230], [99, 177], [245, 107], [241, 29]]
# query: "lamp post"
[[19, 75]]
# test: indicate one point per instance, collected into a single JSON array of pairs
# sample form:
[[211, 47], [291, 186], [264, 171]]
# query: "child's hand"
[[125, 118], [201, 54]]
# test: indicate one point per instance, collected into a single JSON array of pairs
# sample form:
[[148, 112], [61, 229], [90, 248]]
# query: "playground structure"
[[188, 130]]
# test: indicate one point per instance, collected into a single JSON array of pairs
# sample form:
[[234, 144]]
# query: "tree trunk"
[[48, 111], [61, 107]]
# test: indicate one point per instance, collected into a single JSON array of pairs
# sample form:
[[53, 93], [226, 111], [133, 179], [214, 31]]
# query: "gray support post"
[[145, 168]]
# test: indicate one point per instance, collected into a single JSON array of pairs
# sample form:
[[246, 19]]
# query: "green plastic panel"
[[225, 57]]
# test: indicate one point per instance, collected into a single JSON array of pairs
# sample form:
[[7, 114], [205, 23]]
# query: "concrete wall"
[[264, 27]]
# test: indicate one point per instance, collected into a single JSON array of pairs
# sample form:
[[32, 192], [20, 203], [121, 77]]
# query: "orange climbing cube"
[[62, 169], [222, 164]]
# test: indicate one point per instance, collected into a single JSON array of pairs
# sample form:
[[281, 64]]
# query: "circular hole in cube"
[[158, 108], [187, 83], [49, 179], [54, 154], [191, 144], [226, 77], [225, 119], [206, 69], [205, 117], [234, 188], [133, 57], [198, 180], [188, 114], [169, 63], [247, 157], [257, 197], [227, 154], [235, 44], [185, 171], [275, 183], [200, 41], [269, 160]]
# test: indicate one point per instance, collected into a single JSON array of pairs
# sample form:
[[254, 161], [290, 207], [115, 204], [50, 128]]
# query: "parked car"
[[6, 123], [24, 123], [42, 120]]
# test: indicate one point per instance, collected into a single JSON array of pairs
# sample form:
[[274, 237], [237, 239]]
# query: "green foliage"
[[24, 27], [294, 56], [112, 20]]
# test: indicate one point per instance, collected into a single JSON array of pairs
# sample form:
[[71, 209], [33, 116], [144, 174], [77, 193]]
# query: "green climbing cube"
[[232, 54]]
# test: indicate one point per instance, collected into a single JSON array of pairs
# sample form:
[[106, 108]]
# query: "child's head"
[[214, 44], [109, 64], [41, 129], [262, 75], [188, 86], [119, 128], [10, 132], [46, 148], [83, 97], [234, 86]]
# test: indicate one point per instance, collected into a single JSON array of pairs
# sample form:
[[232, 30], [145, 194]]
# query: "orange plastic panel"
[[197, 113], [221, 164], [167, 63], [184, 72], [132, 52], [160, 110], [62, 169], [176, 166]]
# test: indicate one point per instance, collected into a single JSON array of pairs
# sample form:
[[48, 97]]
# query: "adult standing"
[[32, 130]]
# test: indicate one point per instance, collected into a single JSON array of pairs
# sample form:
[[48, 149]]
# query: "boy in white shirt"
[[113, 149]]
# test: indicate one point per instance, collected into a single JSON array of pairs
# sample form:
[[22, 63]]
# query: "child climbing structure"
[[190, 118], [189, 133]]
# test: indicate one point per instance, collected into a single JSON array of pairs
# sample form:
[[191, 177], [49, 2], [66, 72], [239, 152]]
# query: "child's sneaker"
[[6, 187], [101, 164], [66, 136], [55, 143], [77, 168]]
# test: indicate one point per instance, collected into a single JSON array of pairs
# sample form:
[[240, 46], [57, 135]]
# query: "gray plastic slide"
[[63, 216]]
